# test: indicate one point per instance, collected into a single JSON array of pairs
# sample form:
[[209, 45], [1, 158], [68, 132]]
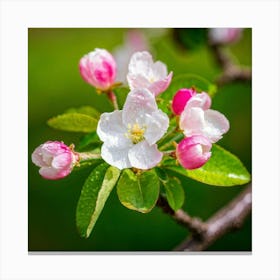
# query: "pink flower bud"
[[180, 100], [55, 159], [194, 151], [224, 35], [99, 69]]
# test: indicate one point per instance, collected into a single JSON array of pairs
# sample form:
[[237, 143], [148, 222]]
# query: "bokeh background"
[[54, 85]]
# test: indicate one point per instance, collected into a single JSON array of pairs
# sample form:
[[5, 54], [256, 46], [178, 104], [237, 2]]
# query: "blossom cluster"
[[130, 135]]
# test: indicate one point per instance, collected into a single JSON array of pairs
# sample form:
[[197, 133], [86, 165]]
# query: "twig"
[[230, 71], [228, 218], [195, 225]]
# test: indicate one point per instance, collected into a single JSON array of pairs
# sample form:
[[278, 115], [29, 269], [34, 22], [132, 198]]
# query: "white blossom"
[[130, 135]]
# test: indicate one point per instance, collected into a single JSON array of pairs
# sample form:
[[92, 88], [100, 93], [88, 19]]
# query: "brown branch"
[[230, 71], [195, 225], [227, 219]]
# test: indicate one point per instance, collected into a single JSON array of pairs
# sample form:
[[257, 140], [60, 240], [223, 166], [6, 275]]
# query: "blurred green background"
[[54, 84]]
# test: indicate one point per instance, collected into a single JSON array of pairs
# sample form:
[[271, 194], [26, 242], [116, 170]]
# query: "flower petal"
[[193, 152], [110, 128], [201, 100], [144, 156], [62, 161], [139, 102], [161, 85], [192, 121], [37, 157], [159, 70], [157, 125], [139, 70], [216, 124], [116, 156], [52, 173], [210, 123]]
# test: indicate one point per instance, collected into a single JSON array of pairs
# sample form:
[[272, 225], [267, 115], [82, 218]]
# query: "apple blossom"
[[198, 119], [55, 159], [130, 135], [99, 69], [144, 73], [193, 152], [224, 35], [180, 100], [134, 41]]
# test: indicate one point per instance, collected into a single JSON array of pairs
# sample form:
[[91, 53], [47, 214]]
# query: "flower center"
[[136, 133]]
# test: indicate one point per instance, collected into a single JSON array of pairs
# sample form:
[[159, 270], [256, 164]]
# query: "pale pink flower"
[[180, 100], [130, 135], [99, 69], [193, 152], [198, 119], [55, 159], [134, 41], [224, 35], [144, 73]]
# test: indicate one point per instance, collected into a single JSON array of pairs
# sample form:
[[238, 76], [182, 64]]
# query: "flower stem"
[[171, 141], [113, 98], [88, 155]]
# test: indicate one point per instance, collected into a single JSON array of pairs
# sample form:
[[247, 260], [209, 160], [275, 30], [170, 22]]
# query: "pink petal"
[[193, 152], [201, 100], [180, 100], [160, 86]]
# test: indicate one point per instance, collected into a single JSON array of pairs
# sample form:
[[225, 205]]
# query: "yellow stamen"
[[135, 133]]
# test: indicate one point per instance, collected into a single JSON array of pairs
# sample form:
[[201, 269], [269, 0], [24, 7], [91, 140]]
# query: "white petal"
[[144, 156], [157, 125], [159, 70], [216, 124], [192, 121], [110, 129], [139, 102], [140, 70], [140, 63], [37, 157], [210, 123], [116, 156]]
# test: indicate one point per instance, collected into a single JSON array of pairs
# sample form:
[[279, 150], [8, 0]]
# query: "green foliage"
[[89, 142], [85, 110], [138, 191], [94, 194], [223, 169], [191, 38], [121, 94], [73, 122], [174, 191]]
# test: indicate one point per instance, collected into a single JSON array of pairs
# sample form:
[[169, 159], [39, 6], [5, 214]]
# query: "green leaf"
[[94, 194], [138, 191], [89, 142], [73, 122], [85, 110], [223, 169], [174, 191]]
